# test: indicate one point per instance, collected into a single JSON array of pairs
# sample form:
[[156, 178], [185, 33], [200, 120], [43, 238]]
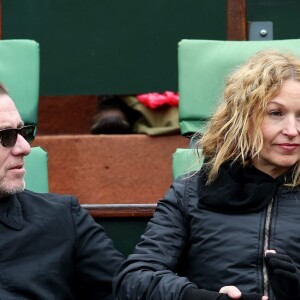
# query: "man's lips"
[[16, 167]]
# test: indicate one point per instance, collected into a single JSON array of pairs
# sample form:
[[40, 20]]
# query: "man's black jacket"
[[50, 248]]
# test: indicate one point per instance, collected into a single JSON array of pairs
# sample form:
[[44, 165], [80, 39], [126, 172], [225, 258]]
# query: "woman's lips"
[[288, 147]]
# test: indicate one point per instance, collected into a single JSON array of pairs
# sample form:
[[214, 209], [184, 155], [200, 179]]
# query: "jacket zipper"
[[267, 230]]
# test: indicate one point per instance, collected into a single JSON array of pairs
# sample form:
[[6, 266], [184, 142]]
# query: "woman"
[[230, 231]]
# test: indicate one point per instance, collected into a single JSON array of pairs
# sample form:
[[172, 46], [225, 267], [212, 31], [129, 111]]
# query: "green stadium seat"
[[185, 161], [36, 164]]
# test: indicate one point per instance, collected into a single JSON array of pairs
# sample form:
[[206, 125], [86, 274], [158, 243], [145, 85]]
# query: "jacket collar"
[[237, 189], [11, 213]]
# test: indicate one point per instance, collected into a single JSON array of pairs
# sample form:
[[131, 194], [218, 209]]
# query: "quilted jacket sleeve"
[[96, 259], [150, 272]]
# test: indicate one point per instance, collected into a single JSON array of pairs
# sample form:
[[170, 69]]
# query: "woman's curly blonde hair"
[[247, 92]]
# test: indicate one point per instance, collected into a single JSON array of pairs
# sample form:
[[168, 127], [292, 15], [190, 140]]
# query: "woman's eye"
[[275, 113]]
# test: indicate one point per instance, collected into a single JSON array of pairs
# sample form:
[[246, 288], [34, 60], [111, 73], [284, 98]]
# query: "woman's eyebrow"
[[275, 102]]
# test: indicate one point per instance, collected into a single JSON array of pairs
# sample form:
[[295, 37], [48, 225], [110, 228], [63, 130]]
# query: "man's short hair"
[[3, 89]]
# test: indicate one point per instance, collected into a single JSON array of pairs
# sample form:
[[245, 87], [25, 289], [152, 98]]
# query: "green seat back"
[[36, 164], [20, 72], [203, 66], [185, 161]]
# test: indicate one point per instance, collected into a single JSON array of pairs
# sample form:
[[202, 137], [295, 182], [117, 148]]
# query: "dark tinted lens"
[[27, 132], [8, 137]]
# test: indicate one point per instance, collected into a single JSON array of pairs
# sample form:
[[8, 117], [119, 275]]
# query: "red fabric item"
[[153, 100]]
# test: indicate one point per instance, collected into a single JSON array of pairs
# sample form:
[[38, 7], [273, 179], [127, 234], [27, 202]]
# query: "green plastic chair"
[[202, 68], [36, 177], [20, 71]]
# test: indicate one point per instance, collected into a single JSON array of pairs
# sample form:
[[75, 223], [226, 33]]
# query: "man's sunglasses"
[[8, 137]]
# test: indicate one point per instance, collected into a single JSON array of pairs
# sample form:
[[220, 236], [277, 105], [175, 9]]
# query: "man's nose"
[[21, 147]]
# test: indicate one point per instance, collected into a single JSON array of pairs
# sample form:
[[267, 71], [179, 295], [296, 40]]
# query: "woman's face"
[[281, 131]]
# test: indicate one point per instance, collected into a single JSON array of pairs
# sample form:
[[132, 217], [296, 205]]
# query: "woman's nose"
[[291, 127]]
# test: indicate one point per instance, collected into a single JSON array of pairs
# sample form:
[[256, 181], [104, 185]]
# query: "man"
[[50, 247]]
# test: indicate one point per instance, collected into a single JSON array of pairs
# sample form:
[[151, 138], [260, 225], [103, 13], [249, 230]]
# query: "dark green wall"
[[111, 46], [123, 47], [124, 232]]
